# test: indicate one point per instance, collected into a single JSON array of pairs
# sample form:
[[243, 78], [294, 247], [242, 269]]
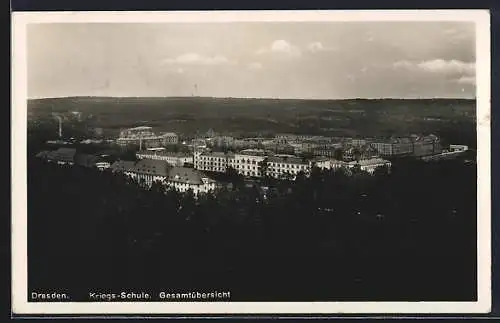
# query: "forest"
[[453, 119], [407, 234]]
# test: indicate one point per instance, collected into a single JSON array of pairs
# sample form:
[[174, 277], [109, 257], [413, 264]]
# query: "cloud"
[[315, 47], [197, 59], [439, 66], [255, 66], [467, 80], [280, 47]]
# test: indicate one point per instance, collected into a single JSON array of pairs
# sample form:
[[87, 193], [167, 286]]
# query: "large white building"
[[182, 179], [172, 158], [148, 171], [370, 165], [280, 166], [213, 161], [247, 162], [145, 137], [329, 163]]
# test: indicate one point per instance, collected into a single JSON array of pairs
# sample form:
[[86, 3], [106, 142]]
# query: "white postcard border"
[[20, 305]]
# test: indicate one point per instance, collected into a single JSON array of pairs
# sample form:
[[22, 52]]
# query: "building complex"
[[172, 158], [145, 137]]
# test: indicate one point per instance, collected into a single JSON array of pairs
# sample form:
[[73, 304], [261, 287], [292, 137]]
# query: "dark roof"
[[61, 154], [122, 165], [287, 160], [163, 153], [217, 154], [185, 175], [86, 160], [151, 167], [42, 154]]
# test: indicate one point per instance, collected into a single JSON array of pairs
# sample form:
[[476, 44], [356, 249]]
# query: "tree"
[[234, 177], [263, 165], [357, 154], [338, 154]]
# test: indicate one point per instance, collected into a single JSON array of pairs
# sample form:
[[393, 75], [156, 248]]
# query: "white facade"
[[329, 163], [457, 148], [369, 165], [181, 179], [278, 167], [148, 179], [247, 162], [212, 162], [102, 165], [207, 186], [173, 159], [146, 137]]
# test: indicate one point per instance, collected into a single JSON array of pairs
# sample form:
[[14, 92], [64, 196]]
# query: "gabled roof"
[[86, 160], [168, 134], [368, 162], [185, 175], [61, 154], [214, 154], [151, 167], [287, 160], [42, 154], [163, 153], [122, 165]]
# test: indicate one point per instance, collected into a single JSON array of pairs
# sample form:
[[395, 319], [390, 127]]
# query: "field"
[[452, 119]]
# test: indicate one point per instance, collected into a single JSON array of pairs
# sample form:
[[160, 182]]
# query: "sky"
[[306, 60]]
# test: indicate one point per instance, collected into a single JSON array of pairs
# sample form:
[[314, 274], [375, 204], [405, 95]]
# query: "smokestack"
[[195, 90], [59, 119]]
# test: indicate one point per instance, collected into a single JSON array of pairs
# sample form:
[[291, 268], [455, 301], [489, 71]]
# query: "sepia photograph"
[[251, 162]]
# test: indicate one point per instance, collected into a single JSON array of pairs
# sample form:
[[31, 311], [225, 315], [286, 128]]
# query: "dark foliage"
[[407, 234]]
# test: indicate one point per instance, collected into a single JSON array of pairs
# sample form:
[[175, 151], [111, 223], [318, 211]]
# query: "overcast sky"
[[316, 60]]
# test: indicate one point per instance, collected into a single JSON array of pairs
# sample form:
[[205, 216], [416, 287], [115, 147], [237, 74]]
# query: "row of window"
[[220, 159], [272, 169], [220, 169], [288, 165]]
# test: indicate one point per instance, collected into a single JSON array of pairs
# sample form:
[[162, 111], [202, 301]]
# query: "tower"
[[60, 127], [195, 91]]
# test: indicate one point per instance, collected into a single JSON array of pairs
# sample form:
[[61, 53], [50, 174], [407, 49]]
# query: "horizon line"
[[250, 98]]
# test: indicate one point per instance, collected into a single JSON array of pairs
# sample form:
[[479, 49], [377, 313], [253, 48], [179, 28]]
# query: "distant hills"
[[187, 115], [202, 98]]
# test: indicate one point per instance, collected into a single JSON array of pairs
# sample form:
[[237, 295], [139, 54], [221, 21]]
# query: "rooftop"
[[122, 165], [287, 160], [254, 152], [86, 160], [186, 175], [217, 154], [151, 167], [140, 128], [61, 154], [162, 153], [368, 162], [168, 134]]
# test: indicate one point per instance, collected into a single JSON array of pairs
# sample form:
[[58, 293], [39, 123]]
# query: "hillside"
[[187, 115]]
